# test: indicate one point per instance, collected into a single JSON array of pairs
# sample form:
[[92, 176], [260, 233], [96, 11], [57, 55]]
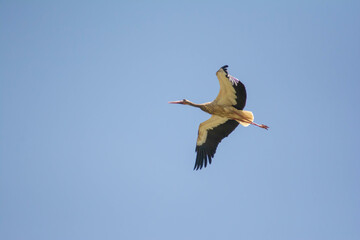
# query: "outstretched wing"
[[211, 132], [232, 91]]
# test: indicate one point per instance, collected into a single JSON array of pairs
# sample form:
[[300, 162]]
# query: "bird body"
[[227, 112]]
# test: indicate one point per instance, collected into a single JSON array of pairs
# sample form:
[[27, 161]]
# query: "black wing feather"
[[240, 95], [206, 151]]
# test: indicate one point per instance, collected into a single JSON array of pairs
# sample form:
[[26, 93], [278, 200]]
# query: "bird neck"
[[201, 106], [193, 104]]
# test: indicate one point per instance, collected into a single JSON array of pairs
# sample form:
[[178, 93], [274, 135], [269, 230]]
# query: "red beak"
[[176, 102]]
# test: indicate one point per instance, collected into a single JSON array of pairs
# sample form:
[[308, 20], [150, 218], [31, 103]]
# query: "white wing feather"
[[209, 124], [227, 93]]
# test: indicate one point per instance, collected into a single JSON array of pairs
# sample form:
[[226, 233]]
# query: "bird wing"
[[211, 132], [232, 91]]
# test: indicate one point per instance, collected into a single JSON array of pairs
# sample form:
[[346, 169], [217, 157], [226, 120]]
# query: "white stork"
[[227, 112]]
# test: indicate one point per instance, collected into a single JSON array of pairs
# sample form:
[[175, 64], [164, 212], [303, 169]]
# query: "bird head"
[[184, 101]]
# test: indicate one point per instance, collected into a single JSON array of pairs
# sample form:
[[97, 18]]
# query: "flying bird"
[[226, 114]]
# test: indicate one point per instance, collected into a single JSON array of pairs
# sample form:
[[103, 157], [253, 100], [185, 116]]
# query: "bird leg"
[[260, 125], [252, 123]]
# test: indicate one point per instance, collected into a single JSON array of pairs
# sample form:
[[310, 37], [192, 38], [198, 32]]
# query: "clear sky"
[[90, 148]]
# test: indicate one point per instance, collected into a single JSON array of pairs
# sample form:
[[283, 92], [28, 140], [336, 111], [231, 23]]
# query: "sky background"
[[90, 148]]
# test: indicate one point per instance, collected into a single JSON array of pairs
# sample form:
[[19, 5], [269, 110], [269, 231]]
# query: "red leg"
[[261, 125], [252, 123]]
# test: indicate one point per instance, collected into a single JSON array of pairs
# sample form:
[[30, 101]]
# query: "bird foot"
[[264, 126]]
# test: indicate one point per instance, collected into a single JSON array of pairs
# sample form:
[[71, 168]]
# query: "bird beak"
[[177, 102]]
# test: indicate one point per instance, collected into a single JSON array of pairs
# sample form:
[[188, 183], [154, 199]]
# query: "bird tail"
[[247, 116]]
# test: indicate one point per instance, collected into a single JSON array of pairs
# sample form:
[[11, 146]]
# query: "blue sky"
[[90, 148]]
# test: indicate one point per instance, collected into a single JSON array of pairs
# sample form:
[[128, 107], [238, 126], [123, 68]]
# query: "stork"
[[227, 112]]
